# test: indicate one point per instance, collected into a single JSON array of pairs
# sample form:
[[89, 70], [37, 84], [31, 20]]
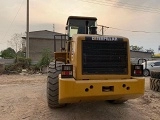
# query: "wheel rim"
[[146, 72]]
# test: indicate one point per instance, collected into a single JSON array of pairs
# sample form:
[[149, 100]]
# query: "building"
[[141, 54], [53, 41], [44, 39], [136, 55]]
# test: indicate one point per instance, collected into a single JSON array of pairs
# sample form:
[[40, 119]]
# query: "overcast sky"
[[126, 15]]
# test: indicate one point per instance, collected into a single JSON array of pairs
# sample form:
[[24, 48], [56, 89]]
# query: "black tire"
[[146, 72], [155, 84], [155, 74], [53, 85], [117, 101]]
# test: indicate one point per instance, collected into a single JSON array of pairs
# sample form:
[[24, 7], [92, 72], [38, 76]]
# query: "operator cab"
[[81, 25]]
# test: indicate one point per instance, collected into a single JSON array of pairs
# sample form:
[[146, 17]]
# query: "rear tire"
[[155, 84], [117, 101], [53, 85], [155, 74], [146, 72]]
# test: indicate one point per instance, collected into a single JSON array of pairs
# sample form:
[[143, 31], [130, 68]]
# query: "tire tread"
[[155, 84], [53, 85]]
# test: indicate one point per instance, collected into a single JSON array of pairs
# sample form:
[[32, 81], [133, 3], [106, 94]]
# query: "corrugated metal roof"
[[43, 34]]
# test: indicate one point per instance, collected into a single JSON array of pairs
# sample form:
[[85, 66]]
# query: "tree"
[[20, 53], [16, 41], [8, 53], [136, 48], [46, 58], [149, 50]]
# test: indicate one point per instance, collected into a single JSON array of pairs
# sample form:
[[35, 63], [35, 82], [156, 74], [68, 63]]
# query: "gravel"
[[23, 97]]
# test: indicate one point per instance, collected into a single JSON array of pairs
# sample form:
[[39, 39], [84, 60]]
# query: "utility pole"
[[103, 28], [27, 33], [53, 28]]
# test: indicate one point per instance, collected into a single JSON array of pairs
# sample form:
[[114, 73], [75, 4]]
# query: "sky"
[[124, 17]]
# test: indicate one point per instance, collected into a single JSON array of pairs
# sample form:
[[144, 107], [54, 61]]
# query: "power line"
[[133, 5], [10, 25], [124, 5], [128, 6], [102, 28], [135, 31]]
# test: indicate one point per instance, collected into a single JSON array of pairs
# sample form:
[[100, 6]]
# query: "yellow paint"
[[74, 89], [77, 61], [60, 56], [71, 91]]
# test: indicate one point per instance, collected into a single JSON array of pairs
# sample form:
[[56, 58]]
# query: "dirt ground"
[[23, 97]]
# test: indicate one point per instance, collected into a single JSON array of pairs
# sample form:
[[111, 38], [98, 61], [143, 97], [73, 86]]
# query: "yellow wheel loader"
[[92, 67]]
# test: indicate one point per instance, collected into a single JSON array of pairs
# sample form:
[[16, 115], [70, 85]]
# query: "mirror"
[[152, 64]]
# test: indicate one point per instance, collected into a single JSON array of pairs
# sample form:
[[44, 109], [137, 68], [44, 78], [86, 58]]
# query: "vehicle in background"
[[150, 66]]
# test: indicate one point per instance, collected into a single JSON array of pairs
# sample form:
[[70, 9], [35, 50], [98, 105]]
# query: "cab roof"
[[80, 18]]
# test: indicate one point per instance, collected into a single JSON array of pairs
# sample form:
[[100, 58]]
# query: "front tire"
[[53, 85]]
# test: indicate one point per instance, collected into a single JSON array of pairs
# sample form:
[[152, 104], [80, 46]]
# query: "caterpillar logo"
[[103, 38]]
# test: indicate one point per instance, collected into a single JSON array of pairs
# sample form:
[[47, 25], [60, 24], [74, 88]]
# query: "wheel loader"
[[92, 67]]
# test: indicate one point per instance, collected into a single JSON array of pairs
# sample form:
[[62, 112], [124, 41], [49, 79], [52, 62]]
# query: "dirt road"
[[23, 97]]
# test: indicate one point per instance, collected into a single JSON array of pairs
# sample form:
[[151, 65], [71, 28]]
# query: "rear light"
[[67, 71], [137, 70]]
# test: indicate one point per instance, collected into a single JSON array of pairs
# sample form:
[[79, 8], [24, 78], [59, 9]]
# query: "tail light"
[[67, 71], [137, 70]]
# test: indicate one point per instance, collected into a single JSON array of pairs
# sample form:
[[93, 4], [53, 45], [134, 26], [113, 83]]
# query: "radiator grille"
[[104, 57]]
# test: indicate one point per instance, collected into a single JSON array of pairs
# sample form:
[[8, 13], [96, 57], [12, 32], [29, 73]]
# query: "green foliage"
[[46, 58], [23, 62], [20, 54], [20, 63], [150, 50], [33, 69], [13, 68], [137, 48], [8, 53]]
